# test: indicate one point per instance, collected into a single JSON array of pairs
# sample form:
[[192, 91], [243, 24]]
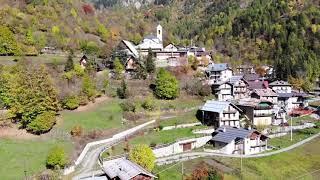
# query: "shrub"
[[56, 158], [148, 104], [71, 102], [143, 155], [76, 131], [42, 123], [167, 86], [129, 106]]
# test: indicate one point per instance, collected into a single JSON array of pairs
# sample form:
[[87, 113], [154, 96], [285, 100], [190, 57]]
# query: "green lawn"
[[287, 165], [285, 141], [298, 120], [179, 103], [41, 58], [154, 137], [106, 115], [182, 118], [30, 155]]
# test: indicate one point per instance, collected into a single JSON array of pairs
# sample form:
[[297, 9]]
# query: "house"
[[293, 100], [239, 141], [265, 94], [259, 112], [220, 113], [123, 169], [281, 86], [245, 69], [219, 72], [222, 90], [239, 87]]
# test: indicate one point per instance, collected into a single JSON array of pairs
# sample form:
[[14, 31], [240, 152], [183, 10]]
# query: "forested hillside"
[[281, 33]]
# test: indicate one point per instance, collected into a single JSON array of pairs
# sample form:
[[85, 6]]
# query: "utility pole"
[[182, 171], [291, 127]]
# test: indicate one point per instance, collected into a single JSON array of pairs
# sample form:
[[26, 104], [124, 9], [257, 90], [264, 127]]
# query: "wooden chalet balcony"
[[263, 114]]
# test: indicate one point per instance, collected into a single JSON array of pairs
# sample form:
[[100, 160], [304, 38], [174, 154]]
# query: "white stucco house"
[[222, 91], [220, 113], [265, 94], [231, 140], [239, 87], [281, 87], [218, 73]]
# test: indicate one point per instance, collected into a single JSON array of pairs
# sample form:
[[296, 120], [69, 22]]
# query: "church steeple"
[[159, 32]]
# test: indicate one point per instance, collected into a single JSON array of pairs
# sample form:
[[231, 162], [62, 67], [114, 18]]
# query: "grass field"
[[41, 58], [16, 156], [285, 141], [105, 116], [298, 163], [154, 137], [186, 117]]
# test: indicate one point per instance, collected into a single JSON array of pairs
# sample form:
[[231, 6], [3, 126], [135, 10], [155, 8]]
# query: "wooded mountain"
[[283, 33]]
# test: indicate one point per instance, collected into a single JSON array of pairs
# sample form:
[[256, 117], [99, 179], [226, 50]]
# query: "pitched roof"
[[265, 92], [253, 102], [256, 85], [123, 169], [217, 106], [279, 83], [251, 77], [218, 67], [235, 79], [227, 134], [285, 95]]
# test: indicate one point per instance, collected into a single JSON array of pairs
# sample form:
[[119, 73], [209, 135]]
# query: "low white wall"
[[181, 126], [177, 147], [116, 137]]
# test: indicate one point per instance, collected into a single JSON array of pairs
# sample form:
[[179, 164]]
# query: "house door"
[[186, 147]]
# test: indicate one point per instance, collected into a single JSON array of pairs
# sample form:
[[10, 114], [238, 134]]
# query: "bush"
[[129, 106], [43, 123], [148, 104], [167, 86], [56, 158], [76, 131], [71, 102], [143, 155]]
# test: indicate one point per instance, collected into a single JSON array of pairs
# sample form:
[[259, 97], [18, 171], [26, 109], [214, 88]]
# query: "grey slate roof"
[[251, 77], [218, 67], [285, 95], [279, 83], [265, 92], [235, 79], [215, 106], [123, 169], [230, 134]]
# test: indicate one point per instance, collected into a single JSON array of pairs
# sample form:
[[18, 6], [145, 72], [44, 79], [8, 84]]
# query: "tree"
[[123, 91], [88, 86], [167, 86], [43, 123], [69, 64], [143, 155], [56, 158], [8, 43], [31, 93], [118, 68], [150, 66]]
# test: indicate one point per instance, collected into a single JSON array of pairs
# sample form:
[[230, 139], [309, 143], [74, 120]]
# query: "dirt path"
[[13, 132], [92, 105]]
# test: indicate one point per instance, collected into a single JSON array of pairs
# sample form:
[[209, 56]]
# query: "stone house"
[[239, 141], [220, 113]]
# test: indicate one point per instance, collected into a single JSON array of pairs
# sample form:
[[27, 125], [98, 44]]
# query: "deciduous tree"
[[143, 155], [167, 86]]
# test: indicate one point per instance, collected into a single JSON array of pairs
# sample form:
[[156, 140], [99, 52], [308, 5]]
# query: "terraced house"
[[220, 113]]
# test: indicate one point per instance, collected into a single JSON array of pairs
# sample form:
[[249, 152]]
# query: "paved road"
[[193, 155], [90, 161]]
